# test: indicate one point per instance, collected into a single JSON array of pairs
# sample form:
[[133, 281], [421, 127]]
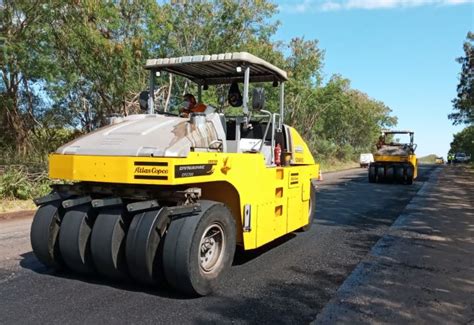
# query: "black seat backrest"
[[256, 132]]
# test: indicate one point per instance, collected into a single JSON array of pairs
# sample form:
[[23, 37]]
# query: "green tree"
[[464, 141], [26, 65], [101, 48], [70, 64], [464, 102]]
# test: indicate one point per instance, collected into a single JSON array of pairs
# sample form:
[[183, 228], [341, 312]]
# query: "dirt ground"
[[16, 215]]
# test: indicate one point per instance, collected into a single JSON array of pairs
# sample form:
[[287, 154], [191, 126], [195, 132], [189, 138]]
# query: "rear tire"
[[45, 233], [380, 174], [74, 238], [199, 249], [389, 173], [410, 175], [312, 208], [108, 243], [143, 247], [372, 175], [399, 174]]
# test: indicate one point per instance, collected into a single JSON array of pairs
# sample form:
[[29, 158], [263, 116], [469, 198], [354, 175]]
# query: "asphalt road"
[[288, 281]]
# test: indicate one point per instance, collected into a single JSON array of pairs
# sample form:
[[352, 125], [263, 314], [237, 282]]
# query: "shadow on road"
[[422, 272], [29, 261], [360, 221]]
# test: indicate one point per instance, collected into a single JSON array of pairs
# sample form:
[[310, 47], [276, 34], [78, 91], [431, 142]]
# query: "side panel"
[[414, 162], [399, 159], [272, 209], [298, 202], [250, 182], [301, 155], [383, 158]]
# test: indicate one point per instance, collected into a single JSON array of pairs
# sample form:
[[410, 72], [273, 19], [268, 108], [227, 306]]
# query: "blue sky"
[[401, 52]]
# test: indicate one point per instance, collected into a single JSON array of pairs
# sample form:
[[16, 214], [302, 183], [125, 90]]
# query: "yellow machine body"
[[275, 198], [410, 159]]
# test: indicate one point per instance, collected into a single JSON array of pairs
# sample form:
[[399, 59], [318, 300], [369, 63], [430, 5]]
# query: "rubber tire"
[[74, 238], [45, 232], [410, 174], [380, 174], [312, 207], [399, 174], [144, 246], [372, 174], [389, 173], [181, 249], [108, 243]]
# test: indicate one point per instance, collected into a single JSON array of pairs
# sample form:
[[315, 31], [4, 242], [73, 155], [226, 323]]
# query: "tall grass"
[[18, 182]]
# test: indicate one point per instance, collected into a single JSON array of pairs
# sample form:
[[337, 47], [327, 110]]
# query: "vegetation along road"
[[363, 235]]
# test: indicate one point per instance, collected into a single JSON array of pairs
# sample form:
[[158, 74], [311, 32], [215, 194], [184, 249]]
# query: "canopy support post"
[[282, 105], [151, 96]]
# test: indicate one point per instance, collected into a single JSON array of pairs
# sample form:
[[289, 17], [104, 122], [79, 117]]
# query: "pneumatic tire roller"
[[394, 162], [163, 197]]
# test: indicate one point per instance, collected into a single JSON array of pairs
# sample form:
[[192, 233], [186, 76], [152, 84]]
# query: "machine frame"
[[260, 192], [401, 166]]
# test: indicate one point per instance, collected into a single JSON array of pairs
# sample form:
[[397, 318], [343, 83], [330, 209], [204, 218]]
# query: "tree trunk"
[[16, 126]]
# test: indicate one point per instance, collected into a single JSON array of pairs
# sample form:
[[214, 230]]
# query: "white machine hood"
[[149, 135]]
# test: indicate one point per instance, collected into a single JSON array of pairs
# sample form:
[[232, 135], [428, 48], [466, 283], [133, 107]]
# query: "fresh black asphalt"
[[288, 281]]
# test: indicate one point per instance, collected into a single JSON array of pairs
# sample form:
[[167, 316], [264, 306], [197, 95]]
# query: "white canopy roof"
[[219, 68], [397, 132]]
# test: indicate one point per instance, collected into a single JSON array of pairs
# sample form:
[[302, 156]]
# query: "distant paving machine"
[[395, 161], [164, 198]]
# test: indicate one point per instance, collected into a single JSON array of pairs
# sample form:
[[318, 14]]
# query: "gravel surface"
[[288, 281]]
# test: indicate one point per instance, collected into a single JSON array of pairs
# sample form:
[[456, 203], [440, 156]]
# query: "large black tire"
[[108, 243], [199, 249], [45, 232], [312, 208], [389, 173], [74, 238], [380, 174], [372, 174], [410, 175], [143, 247], [399, 174]]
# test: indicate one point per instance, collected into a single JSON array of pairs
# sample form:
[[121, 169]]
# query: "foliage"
[[68, 65], [25, 66], [464, 102], [17, 182], [464, 141], [429, 159]]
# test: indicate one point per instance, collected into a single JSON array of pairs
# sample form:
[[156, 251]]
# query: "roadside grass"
[[13, 205], [335, 165], [430, 159], [19, 184]]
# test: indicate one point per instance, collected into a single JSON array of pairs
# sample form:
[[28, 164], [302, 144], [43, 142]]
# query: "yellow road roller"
[[167, 195], [395, 159]]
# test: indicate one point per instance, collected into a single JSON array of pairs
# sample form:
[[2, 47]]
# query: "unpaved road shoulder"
[[422, 270]]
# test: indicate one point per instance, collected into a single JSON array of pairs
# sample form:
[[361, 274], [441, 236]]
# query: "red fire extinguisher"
[[277, 153]]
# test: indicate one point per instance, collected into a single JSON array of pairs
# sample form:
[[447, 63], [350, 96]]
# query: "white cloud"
[[387, 4], [334, 5]]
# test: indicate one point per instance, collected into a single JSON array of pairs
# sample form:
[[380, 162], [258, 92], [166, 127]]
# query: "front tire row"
[[189, 252], [391, 173]]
